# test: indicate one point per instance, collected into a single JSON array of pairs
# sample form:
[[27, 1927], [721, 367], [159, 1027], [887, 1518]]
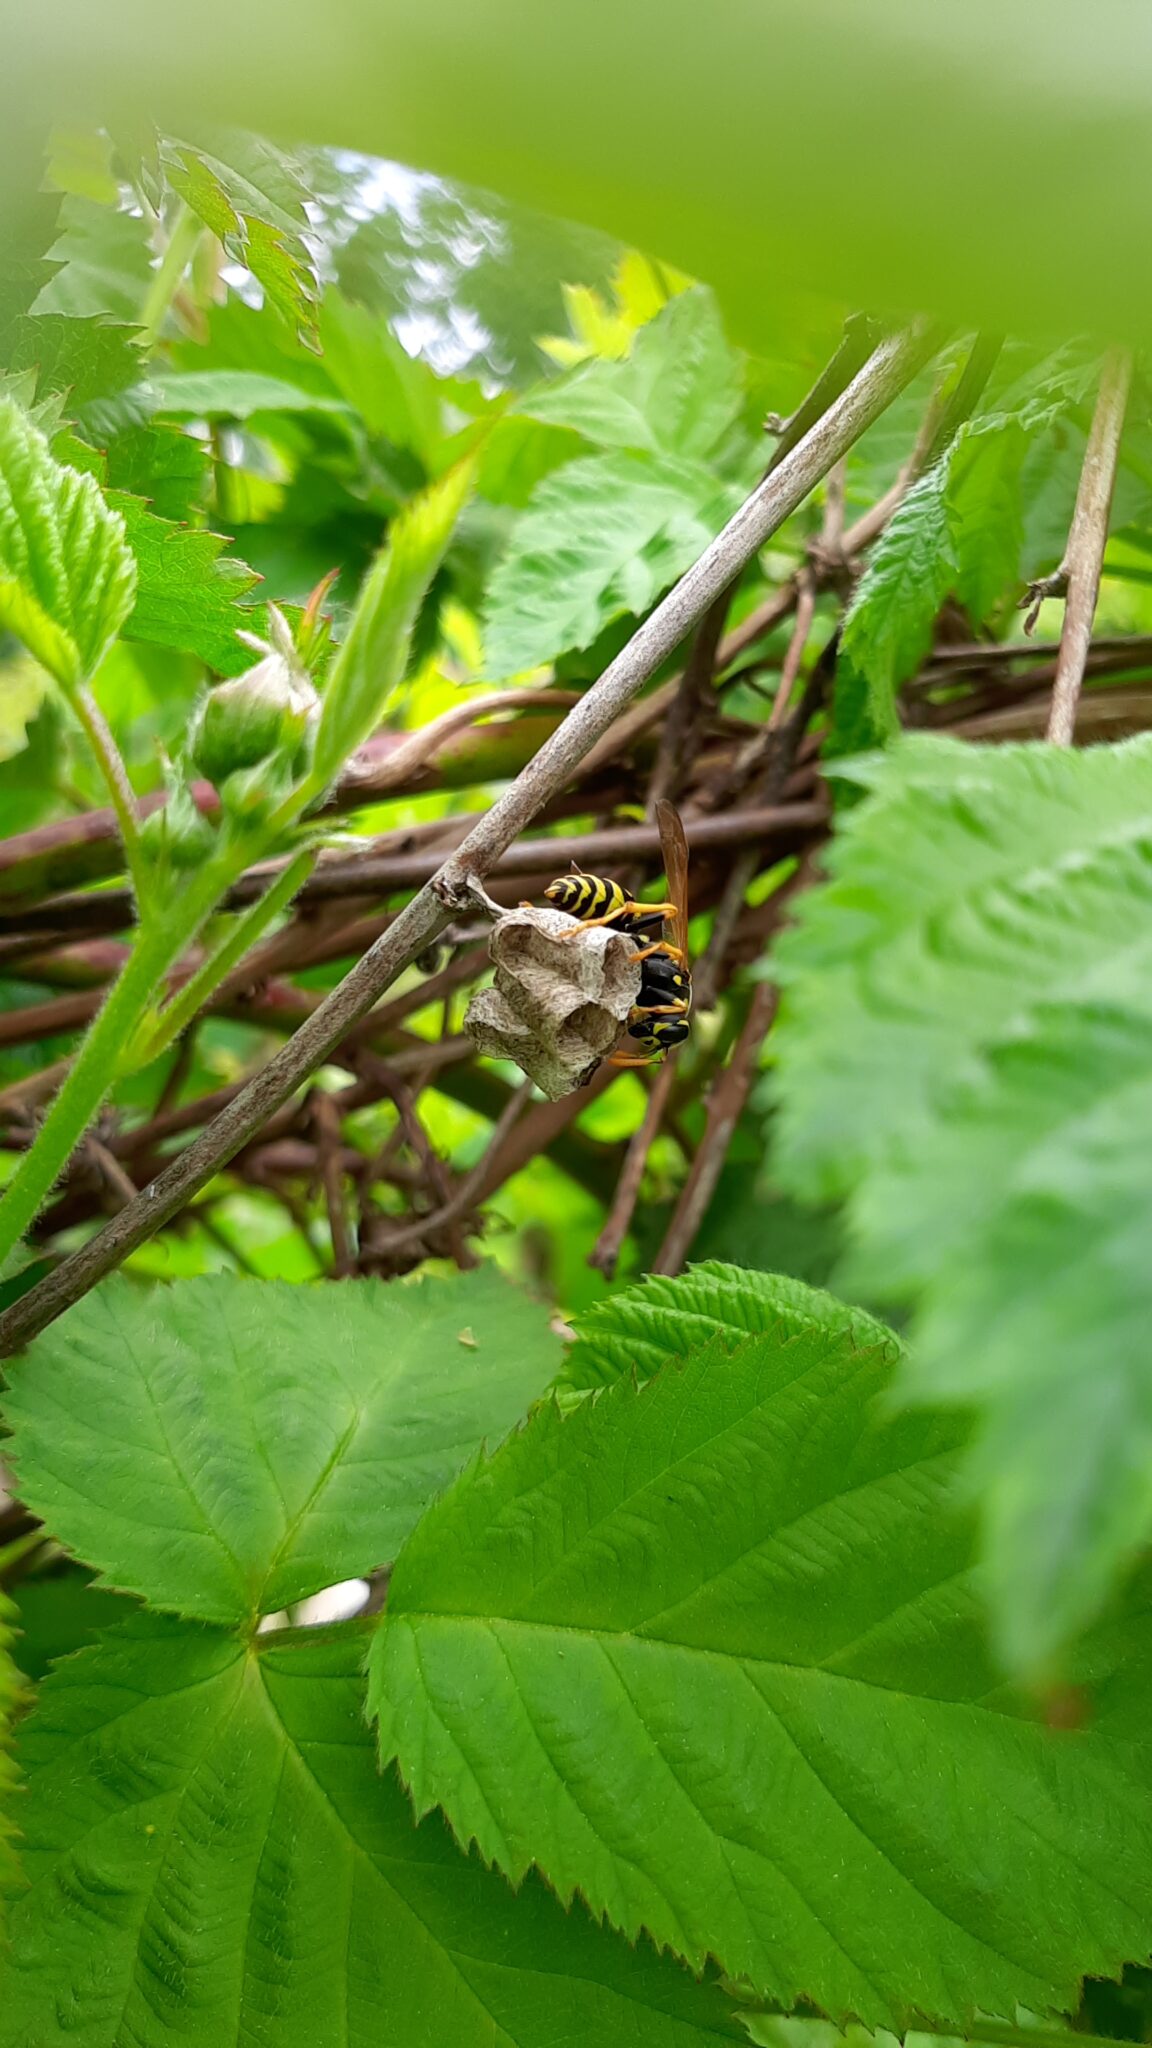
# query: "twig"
[[831, 531], [695, 684], [539, 1131], [328, 1150], [110, 1168], [623, 844], [1079, 572], [606, 1250], [424, 918], [708, 654], [861, 333], [956, 406], [50, 858], [422, 1146], [469, 1191], [178, 1072], [20, 1097], [725, 1106]]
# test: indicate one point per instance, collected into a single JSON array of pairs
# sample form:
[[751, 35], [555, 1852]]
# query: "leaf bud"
[[250, 795], [177, 835]]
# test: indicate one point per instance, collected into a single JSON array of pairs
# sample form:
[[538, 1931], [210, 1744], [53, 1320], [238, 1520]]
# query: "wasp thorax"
[[559, 997]]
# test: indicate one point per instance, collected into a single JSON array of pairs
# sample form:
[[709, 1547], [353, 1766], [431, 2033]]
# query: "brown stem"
[[50, 858], [329, 1148], [470, 1189], [1083, 561], [424, 918], [683, 713], [431, 1163], [606, 1250], [725, 1107]]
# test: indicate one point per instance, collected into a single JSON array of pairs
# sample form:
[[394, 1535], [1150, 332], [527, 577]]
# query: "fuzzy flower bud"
[[264, 712]]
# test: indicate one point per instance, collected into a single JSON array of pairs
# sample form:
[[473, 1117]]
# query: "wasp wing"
[[674, 847]]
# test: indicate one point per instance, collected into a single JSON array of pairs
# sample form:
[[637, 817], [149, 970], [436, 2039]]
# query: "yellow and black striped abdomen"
[[586, 896]]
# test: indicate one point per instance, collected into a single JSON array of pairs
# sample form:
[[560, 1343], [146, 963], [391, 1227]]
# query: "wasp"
[[658, 1019]]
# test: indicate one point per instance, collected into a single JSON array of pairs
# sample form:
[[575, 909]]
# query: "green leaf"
[[373, 658], [59, 1611], [677, 394], [600, 538], [86, 359], [476, 278], [395, 395], [964, 1052], [234, 394], [24, 688], [710, 1652], [281, 1439], [243, 337], [105, 262], [214, 1858], [985, 513], [67, 576], [640, 1330], [160, 464], [888, 627], [1020, 1233], [190, 594], [26, 267], [251, 195], [29, 776]]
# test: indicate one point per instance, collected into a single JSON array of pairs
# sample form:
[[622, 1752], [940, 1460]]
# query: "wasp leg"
[[661, 946], [648, 1059], [612, 917]]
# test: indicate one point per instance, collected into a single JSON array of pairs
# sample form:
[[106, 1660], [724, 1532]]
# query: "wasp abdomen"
[[586, 896]]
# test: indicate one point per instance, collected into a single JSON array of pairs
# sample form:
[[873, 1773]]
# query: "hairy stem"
[[88, 1082], [165, 280], [201, 986], [116, 781], [96, 1065]]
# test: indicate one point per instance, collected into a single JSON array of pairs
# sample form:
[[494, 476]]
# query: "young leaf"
[[645, 1327], [104, 257], [964, 1051], [888, 629], [225, 1446], [252, 196], [372, 661], [213, 1857], [985, 513], [710, 1652], [601, 537], [676, 394], [190, 594], [67, 575]]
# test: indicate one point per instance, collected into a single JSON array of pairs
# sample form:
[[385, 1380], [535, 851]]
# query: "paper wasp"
[[658, 1019]]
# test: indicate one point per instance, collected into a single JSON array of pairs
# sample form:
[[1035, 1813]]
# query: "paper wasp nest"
[[558, 1002]]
